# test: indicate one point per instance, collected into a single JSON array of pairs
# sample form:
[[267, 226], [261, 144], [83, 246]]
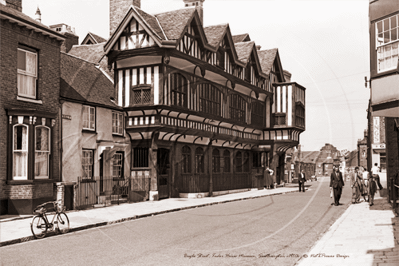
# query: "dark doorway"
[[163, 166]]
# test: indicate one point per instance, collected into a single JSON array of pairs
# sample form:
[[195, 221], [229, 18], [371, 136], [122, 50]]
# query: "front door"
[[163, 173]]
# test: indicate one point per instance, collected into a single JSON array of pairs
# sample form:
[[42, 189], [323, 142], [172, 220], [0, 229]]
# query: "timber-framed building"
[[205, 111]]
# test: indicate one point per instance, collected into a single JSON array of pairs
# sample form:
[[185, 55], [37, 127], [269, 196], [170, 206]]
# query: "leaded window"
[[186, 160], [199, 161], [179, 89], [210, 99], [141, 95], [237, 108]]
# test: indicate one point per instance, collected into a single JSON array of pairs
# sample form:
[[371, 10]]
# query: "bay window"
[[387, 41]]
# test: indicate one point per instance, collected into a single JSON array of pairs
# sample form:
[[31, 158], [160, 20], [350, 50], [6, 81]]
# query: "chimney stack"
[[198, 4], [117, 11], [15, 4]]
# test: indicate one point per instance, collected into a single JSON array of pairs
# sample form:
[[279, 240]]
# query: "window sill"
[[89, 131], [30, 181], [118, 135], [19, 98]]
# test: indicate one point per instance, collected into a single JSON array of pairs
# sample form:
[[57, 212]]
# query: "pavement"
[[363, 235]]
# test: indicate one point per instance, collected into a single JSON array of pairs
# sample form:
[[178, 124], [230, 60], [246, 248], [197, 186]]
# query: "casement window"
[[299, 116], [237, 108], [117, 164], [387, 40], [215, 161], [27, 73], [257, 159], [186, 160], [89, 118], [20, 152], [238, 162], [140, 157], [199, 161], [226, 161], [141, 95], [117, 123], [42, 152], [242, 162], [179, 89], [87, 163], [258, 114], [210, 99]]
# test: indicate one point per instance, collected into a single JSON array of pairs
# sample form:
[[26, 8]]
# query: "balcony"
[[288, 105]]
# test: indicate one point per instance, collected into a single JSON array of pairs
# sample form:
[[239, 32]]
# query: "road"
[[274, 230]]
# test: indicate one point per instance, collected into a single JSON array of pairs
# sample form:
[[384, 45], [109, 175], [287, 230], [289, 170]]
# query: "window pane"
[[42, 139], [386, 24], [394, 35], [387, 39], [20, 165], [21, 60], [393, 22], [21, 138], [31, 63], [41, 164]]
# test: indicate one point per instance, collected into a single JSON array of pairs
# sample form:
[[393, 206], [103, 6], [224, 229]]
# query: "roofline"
[[30, 25]]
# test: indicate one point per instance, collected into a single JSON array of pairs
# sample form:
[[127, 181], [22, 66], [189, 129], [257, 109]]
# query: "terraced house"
[[205, 111]]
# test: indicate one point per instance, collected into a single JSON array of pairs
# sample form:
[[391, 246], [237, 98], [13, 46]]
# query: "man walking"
[[336, 183], [374, 171], [301, 180]]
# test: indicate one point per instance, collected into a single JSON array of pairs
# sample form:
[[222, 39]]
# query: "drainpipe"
[[210, 168]]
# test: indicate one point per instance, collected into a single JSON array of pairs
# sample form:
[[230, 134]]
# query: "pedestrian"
[[374, 171], [355, 185], [365, 190], [336, 183], [301, 180], [268, 179], [372, 186]]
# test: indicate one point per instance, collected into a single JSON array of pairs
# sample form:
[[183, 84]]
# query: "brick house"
[[29, 107]]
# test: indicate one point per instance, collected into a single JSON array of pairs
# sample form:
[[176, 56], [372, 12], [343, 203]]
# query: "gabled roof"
[[241, 38], [266, 58], [174, 22], [24, 20], [152, 23], [94, 38], [82, 81], [214, 34], [89, 52], [244, 50]]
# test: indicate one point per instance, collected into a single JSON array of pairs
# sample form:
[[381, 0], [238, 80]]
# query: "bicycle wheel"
[[38, 227], [62, 223]]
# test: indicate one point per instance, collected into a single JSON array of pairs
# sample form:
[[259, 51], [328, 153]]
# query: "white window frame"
[[22, 72], [117, 168], [48, 152], [117, 123], [91, 121], [85, 174], [14, 177], [387, 49]]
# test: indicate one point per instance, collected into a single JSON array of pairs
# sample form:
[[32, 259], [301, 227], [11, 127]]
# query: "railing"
[[196, 183], [109, 190]]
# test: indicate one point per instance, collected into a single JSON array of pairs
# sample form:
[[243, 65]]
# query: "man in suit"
[[301, 180], [336, 183]]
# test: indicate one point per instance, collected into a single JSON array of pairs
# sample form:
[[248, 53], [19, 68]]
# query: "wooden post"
[[210, 168]]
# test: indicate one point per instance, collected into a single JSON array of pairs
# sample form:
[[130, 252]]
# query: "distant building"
[[363, 150]]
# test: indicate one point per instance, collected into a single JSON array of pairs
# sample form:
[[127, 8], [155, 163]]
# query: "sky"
[[324, 44]]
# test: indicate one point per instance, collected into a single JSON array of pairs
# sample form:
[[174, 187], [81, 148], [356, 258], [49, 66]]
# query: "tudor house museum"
[[164, 107]]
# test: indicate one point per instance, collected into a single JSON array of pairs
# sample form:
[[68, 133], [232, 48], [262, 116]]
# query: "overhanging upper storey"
[[384, 51]]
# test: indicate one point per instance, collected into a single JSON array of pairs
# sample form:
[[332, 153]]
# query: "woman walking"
[[355, 185]]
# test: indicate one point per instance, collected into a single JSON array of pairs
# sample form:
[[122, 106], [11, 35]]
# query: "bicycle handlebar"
[[49, 202]]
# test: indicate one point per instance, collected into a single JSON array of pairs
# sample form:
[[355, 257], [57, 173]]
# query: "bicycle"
[[40, 223]]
